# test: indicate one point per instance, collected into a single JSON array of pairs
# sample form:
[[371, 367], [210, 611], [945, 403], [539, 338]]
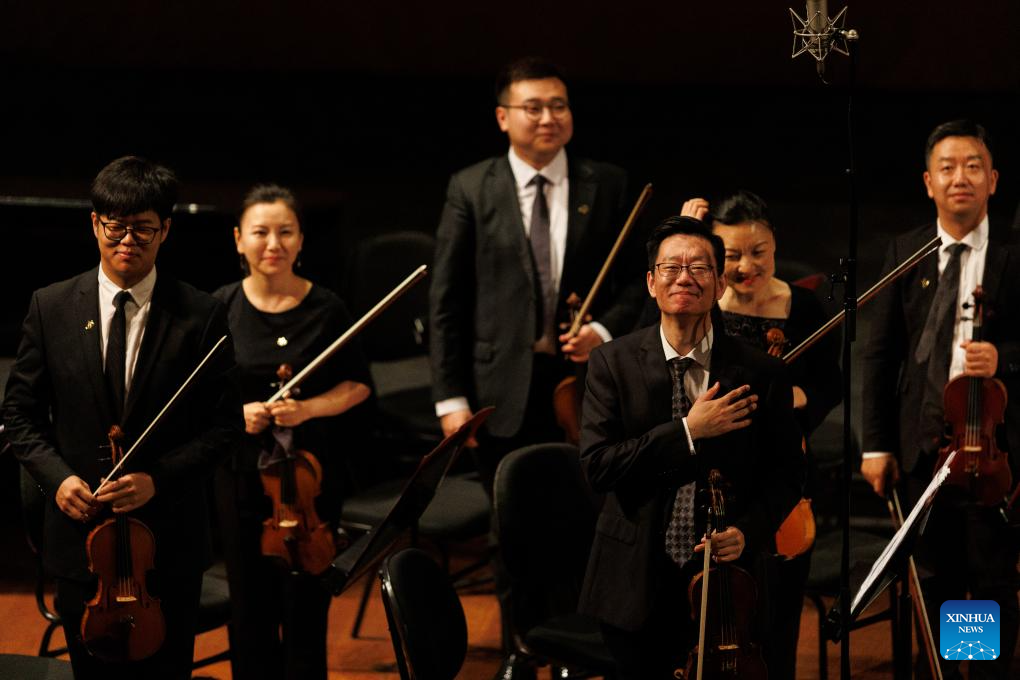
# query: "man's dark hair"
[[270, 193], [528, 68], [687, 226], [956, 128], [742, 206], [131, 185]]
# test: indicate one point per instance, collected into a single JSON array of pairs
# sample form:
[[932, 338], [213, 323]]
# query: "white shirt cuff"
[[687, 431], [451, 405], [874, 454], [602, 331]]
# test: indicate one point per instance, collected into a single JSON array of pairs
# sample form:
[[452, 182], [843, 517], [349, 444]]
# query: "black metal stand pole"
[[849, 336]]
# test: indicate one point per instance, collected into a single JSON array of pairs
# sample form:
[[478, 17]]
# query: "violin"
[[796, 534], [294, 532], [973, 408], [723, 598], [122, 622]]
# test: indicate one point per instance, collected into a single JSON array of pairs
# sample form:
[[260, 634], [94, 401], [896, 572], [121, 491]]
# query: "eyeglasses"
[[533, 110], [115, 231], [669, 271]]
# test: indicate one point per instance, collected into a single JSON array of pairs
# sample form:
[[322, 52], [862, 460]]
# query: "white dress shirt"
[[972, 271], [696, 377], [136, 313]]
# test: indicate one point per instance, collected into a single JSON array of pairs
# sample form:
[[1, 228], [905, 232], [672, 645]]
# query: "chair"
[[545, 519], [460, 511], [823, 581], [25, 667], [425, 617]]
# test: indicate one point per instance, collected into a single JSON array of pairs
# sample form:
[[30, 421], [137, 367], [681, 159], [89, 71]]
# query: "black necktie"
[[116, 354], [936, 347], [680, 531], [541, 250]]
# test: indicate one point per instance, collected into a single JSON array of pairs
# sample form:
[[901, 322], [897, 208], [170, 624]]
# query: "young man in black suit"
[[111, 346], [663, 406], [518, 234], [919, 339]]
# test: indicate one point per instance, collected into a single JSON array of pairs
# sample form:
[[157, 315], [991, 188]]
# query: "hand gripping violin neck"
[[123, 622]]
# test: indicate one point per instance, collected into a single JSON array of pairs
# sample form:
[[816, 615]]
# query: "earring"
[[245, 269], [297, 262]]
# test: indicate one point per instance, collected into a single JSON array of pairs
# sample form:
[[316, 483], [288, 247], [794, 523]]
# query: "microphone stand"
[[849, 279]]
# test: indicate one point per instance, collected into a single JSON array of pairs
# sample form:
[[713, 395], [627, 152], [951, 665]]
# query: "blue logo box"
[[969, 630]]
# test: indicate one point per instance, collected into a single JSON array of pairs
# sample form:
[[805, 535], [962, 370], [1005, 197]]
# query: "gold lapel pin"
[[584, 209], [90, 324], [925, 282]]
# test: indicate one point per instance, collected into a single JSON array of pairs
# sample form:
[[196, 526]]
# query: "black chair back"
[[425, 616], [545, 518]]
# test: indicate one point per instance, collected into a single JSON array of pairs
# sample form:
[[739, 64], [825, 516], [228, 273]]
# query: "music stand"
[[356, 560], [893, 559]]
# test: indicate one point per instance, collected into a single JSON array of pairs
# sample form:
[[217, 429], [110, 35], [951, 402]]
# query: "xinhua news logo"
[[969, 630]]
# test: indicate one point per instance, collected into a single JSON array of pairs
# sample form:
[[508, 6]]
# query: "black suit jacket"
[[894, 383], [483, 301], [57, 413], [632, 451]]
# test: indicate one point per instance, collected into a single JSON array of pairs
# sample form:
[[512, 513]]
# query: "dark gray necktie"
[[680, 531], [116, 354], [541, 250], [936, 347]]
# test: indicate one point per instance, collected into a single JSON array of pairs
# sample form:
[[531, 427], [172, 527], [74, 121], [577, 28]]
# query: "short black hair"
[[527, 68], [131, 185], [270, 193], [739, 207], [687, 226], [956, 128]]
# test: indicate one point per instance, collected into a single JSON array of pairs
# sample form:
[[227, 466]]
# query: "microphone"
[[816, 34]]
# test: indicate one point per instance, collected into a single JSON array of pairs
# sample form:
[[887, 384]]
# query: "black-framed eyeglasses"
[[670, 271], [558, 109], [116, 231]]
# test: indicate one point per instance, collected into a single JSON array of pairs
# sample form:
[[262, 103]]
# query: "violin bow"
[[908, 264], [706, 568], [405, 285], [643, 199], [159, 416]]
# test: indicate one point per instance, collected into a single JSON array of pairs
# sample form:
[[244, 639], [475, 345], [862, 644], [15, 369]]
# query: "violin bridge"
[[126, 598], [288, 523], [728, 648]]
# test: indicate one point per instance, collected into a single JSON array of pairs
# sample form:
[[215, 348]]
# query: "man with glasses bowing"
[[111, 347], [518, 234], [662, 407]]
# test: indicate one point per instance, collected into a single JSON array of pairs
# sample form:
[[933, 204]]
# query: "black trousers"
[[967, 549], [279, 620], [179, 594]]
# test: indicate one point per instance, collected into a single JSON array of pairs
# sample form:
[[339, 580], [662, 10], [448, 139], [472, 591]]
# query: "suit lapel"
[[579, 205], [156, 328], [723, 370], [656, 377], [508, 207], [86, 310]]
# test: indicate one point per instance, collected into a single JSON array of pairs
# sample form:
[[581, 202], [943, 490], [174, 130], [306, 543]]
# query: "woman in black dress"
[[755, 302], [277, 317]]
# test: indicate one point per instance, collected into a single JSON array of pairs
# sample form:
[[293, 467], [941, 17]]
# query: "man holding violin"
[[662, 408], [518, 234], [920, 338], [111, 347]]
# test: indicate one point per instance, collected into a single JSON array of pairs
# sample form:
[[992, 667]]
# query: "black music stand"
[[890, 566], [353, 562]]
